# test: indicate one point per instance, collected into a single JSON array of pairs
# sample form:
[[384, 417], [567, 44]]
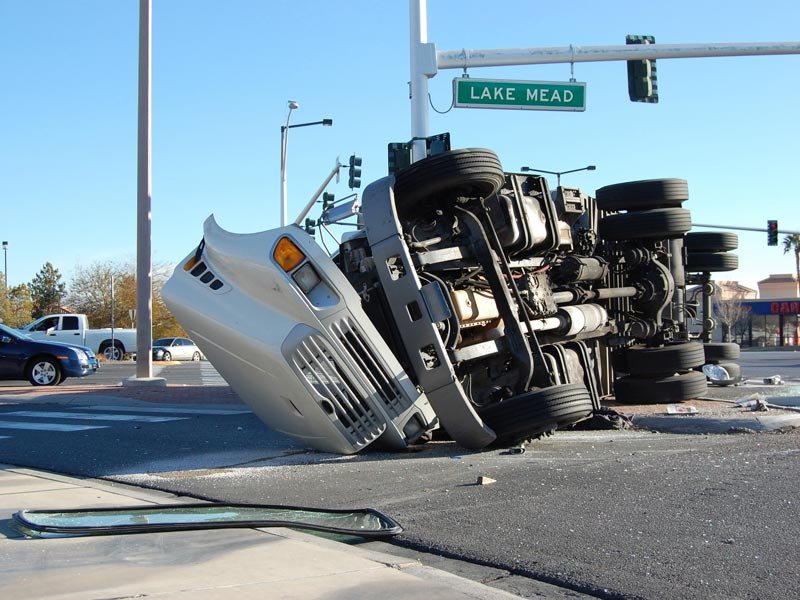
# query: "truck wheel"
[[44, 371], [721, 351], [532, 413], [711, 262], [710, 241], [658, 390], [659, 223], [641, 360], [642, 195], [115, 352], [470, 172]]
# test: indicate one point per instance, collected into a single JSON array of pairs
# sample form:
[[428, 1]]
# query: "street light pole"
[[5, 266], [558, 174], [284, 144], [284, 149]]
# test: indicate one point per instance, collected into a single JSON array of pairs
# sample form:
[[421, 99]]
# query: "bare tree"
[[730, 312], [90, 293]]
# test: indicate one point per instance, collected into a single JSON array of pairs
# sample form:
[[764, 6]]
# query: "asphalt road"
[[617, 514]]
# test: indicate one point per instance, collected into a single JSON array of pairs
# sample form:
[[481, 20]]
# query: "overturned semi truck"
[[467, 299]]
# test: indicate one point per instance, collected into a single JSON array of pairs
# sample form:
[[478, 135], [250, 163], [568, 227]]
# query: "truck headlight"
[[306, 277]]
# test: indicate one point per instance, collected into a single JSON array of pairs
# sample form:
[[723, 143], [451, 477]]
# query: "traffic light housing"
[[772, 233], [642, 82], [355, 172], [327, 201], [311, 227]]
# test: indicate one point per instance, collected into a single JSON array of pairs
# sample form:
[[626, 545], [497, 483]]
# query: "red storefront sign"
[[784, 308]]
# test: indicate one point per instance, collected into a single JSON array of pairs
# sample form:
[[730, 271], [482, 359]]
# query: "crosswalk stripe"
[[156, 409], [89, 416], [47, 426]]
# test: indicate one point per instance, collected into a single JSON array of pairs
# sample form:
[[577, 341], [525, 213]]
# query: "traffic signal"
[[772, 233], [642, 83], [327, 201], [311, 226], [355, 172]]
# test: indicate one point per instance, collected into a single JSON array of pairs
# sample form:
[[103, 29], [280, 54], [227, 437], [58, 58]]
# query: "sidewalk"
[[214, 564]]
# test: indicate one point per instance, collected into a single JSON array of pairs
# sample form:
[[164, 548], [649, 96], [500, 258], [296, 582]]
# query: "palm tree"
[[792, 242]]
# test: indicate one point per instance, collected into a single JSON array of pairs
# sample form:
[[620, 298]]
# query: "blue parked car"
[[41, 362]]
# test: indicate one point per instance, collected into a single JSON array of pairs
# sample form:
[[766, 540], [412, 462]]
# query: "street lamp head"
[[5, 245], [327, 122], [293, 104], [591, 168], [525, 169]]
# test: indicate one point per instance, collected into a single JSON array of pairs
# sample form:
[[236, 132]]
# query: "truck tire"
[[710, 241], [532, 413], [643, 195], [658, 223], [44, 371], [665, 360], [659, 390], [711, 262], [721, 351], [470, 172], [112, 353]]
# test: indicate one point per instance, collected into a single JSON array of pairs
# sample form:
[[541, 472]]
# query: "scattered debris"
[[756, 402], [605, 418], [681, 409], [774, 380], [483, 480], [517, 449]]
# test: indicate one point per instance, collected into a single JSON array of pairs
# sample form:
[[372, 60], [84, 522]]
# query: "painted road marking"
[[155, 409], [88, 417], [47, 426]]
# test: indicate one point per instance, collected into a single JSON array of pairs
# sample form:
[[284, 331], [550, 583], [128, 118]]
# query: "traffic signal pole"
[[464, 58], [426, 61], [761, 229]]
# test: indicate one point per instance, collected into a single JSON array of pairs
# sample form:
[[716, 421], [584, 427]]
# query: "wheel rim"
[[196, 356], [44, 373], [167, 356], [112, 353]]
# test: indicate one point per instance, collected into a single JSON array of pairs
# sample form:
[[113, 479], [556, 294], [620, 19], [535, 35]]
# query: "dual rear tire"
[[660, 374]]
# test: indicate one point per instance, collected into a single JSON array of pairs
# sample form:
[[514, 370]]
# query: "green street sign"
[[525, 95]]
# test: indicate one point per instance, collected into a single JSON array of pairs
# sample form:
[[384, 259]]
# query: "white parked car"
[[176, 348]]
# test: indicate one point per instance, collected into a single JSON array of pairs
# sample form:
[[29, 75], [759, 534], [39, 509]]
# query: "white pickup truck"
[[112, 344]]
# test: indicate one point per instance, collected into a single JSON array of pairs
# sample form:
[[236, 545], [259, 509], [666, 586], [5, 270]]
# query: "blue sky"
[[223, 72]]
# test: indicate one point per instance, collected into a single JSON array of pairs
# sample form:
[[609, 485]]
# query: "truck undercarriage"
[[504, 311]]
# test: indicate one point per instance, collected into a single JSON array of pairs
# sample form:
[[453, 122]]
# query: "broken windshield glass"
[[366, 522]]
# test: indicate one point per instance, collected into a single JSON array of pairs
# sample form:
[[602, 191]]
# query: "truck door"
[[44, 328], [69, 331]]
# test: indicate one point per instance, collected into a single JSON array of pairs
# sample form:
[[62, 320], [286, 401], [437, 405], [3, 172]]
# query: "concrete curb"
[[699, 424]]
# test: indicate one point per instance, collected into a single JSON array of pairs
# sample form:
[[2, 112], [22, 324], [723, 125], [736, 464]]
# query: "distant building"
[[726, 290], [782, 285], [769, 319]]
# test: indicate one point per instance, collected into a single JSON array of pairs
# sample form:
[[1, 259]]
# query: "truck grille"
[[382, 381], [342, 400]]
